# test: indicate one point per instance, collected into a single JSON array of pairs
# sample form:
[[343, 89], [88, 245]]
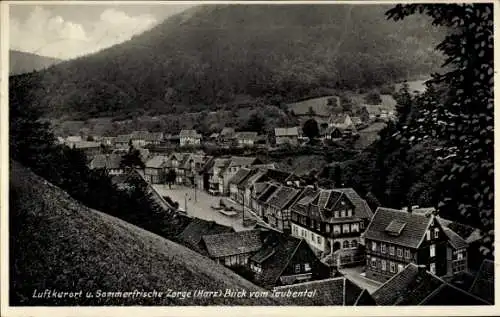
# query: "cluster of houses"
[[333, 127], [311, 232]]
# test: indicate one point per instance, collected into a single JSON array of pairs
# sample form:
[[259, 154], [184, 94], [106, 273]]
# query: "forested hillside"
[[213, 54]]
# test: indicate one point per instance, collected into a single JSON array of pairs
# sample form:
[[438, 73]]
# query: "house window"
[[436, 233], [400, 252], [345, 244], [374, 262], [327, 226], [460, 255], [345, 228], [432, 250], [355, 227], [307, 267], [354, 244], [407, 253], [392, 250], [400, 267], [336, 214], [342, 213], [297, 268], [384, 265], [336, 229], [319, 240], [458, 266], [392, 267], [382, 248], [362, 225], [374, 246], [349, 213], [432, 268], [428, 234]]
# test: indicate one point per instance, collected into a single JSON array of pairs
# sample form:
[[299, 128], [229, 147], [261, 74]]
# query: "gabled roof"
[[234, 243], [284, 248], [307, 196], [267, 193], [123, 138], [246, 135], [189, 133], [484, 284], [372, 109], [411, 235], [227, 132], [416, 286], [242, 161], [338, 291], [158, 161], [283, 197], [197, 159], [456, 241], [362, 209], [146, 135], [85, 144], [106, 161], [193, 234], [294, 131], [240, 176]]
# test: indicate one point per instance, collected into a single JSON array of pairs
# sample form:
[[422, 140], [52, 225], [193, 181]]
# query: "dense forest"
[[22, 62], [214, 55]]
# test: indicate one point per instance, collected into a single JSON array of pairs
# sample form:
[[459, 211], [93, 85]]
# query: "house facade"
[[246, 138], [216, 178], [230, 170], [276, 209], [109, 162], [287, 135], [396, 238], [190, 138], [155, 169], [330, 220], [285, 260]]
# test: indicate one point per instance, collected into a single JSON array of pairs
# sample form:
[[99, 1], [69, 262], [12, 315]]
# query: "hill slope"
[[22, 62], [56, 243], [211, 54]]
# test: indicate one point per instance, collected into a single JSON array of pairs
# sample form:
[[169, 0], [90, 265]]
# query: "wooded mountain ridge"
[[214, 55]]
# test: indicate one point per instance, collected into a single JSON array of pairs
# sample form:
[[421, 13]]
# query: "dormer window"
[[395, 228], [436, 233]]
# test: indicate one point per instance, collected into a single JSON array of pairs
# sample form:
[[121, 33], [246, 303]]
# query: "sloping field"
[[58, 244], [318, 105]]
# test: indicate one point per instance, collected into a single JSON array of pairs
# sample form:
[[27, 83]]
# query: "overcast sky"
[[67, 31]]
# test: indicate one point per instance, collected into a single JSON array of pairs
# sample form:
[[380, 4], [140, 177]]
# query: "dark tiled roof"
[[156, 161], [123, 138], [484, 284], [339, 291], [266, 194], [362, 210], [455, 240], [240, 176], [259, 188], [416, 286], [412, 233], [107, 161], [192, 235], [283, 196], [226, 244], [272, 267], [242, 161]]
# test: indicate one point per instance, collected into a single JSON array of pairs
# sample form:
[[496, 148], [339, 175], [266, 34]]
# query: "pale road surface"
[[201, 208], [354, 273]]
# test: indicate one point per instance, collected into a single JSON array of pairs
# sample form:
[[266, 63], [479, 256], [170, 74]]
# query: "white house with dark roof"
[[189, 138], [155, 168], [287, 135], [396, 238], [109, 162]]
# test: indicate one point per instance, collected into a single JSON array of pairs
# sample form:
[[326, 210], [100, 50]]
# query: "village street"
[[354, 273], [201, 206]]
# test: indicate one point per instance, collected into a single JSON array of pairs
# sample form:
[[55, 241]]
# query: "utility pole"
[[243, 210], [185, 202]]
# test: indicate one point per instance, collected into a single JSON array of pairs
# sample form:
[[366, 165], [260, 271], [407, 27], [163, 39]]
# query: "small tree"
[[373, 98], [311, 129]]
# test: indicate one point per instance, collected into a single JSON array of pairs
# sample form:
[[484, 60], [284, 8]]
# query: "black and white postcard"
[[259, 158]]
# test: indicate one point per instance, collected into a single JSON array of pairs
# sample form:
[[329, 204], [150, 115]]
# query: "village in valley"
[[283, 231], [251, 154]]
